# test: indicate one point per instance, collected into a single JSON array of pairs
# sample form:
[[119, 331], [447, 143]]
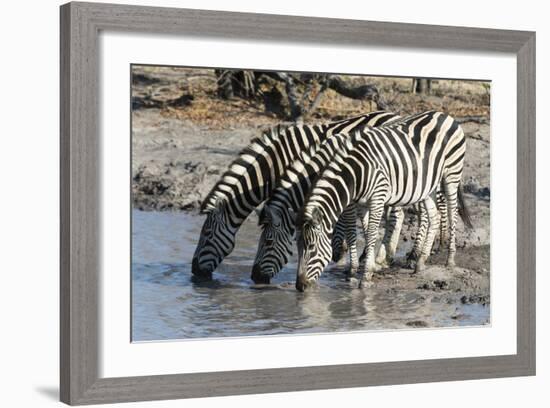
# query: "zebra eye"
[[311, 247], [269, 241]]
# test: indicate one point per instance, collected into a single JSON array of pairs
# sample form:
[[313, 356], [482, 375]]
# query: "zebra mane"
[[304, 157], [309, 215], [345, 144], [239, 167], [312, 212]]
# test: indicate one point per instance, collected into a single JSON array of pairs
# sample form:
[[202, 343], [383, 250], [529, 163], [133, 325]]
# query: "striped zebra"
[[394, 222], [422, 217], [277, 222], [276, 240], [397, 165], [251, 178]]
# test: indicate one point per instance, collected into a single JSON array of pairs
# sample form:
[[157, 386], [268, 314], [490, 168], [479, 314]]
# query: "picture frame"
[[80, 153]]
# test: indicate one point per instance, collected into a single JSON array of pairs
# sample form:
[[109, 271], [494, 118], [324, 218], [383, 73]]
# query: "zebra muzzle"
[[258, 277], [198, 271], [302, 283]]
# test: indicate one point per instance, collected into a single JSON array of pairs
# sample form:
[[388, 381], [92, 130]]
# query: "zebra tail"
[[463, 209]]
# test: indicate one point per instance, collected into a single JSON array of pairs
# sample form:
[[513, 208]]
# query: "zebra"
[[251, 178], [396, 165], [394, 221], [423, 221], [276, 240], [275, 218]]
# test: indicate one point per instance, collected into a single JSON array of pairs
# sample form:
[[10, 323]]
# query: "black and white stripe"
[[277, 216], [423, 222], [251, 178], [396, 165], [278, 227]]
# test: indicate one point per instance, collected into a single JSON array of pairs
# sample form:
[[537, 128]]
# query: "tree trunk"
[[235, 83], [422, 86], [244, 84], [225, 86], [364, 92], [296, 110]]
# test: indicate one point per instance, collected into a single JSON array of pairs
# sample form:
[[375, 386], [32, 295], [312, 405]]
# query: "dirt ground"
[[178, 153]]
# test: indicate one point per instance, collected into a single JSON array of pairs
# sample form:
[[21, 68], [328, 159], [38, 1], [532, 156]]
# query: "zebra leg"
[[382, 251], [339, 244], [442, 209], [433, 225], [397, 216], [451, 191], [349, 216], [420, 236], [394, 222], [363, 215], [371, 223]]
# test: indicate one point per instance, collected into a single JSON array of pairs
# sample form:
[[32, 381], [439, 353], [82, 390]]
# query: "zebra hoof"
[[412, 258], [376, 268], [366, 278], [410, 264], [384, 264], [381, 260], [365, 282], [419, 267], [451, 265], [351, 273]]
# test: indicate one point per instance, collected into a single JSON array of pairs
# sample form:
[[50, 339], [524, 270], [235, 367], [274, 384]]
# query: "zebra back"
[[251, 177], [411, 153], [396, 165]]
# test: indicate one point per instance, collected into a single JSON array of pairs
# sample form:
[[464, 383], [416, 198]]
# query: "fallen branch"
[[482, 120], [147, 102]]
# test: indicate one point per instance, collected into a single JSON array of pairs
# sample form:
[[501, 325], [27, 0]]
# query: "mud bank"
[[466, 283]]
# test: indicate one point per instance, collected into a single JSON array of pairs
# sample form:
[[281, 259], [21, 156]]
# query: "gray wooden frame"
[[80, 234]]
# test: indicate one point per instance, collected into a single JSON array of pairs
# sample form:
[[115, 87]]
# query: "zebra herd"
[[316, 180]]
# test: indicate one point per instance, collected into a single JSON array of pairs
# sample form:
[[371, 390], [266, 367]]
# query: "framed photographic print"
[[260, 203]]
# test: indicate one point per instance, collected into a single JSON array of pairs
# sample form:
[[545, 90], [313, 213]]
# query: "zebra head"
[[314, 247], [216, 241], [275, 246]]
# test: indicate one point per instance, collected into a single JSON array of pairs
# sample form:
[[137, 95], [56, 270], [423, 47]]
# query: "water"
[[168, 304]]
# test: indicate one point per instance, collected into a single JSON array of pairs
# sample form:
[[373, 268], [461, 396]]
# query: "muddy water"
[[168, 304]]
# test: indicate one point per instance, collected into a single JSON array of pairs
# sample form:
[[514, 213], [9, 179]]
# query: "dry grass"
[[458, 98]]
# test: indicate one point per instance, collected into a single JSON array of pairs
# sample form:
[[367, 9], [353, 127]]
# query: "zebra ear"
[[265, 137], [316, 217], [267, 213], [339, 140], [307, 154], [264, 214], [293, 216], [355, 137], [207, 207]]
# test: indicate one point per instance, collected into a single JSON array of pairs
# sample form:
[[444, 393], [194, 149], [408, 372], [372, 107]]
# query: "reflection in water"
[[168, 303]]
